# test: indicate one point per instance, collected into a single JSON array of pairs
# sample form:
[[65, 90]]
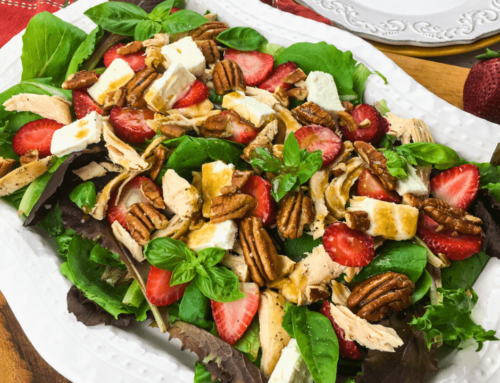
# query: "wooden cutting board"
[[21, 363]]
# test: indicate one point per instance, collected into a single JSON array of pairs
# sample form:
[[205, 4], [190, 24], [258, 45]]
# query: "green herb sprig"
[[297, 167]]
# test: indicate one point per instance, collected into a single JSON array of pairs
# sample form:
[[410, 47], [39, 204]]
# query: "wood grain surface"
[[21, 363]]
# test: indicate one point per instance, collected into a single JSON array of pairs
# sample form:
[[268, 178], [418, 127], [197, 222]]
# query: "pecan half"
[[297, 93], [347, 106], [149, 190], [377, 163], [228, 76], [452, 218], [142, 219], [160, 154], [259, 251], [117, 97], [358, 220], [138, 86], [208, 31], [209, 50], [311, 113], [381, 295], [294, 77], [6, 165], [282, 96], [218, 126], [172, 131], [347, 120], [79, 80], [133, 47], [232, 206], [240, 178], [295, 210], [30, 156]]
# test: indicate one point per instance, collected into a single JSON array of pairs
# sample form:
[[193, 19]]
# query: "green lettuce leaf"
[[462, 274], [249, 343], [85, 50]]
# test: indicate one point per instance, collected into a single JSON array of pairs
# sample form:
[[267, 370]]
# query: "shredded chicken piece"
[[51, 107]]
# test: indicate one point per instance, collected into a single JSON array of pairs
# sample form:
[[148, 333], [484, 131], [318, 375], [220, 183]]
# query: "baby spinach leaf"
[[48, 47], [221, 285], [146, 29], [166, 253], [422, 286], [116, 17], [84, 195], [401, 257], [242, 38], [84, 51], [249, 343], [103, 256], [462, 274], [271, 49], [296, 249], [182, 21], [195, 308], [451, 320]]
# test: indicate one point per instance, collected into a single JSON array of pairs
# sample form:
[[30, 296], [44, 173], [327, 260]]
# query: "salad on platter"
[[240, 196]]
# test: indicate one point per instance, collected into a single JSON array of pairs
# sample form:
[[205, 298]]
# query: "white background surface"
[[36, 291]]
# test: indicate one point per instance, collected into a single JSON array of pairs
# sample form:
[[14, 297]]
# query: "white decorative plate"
[[410, 22], [29, 266]]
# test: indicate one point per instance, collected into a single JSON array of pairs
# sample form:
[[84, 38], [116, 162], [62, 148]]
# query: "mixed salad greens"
[[242, 196]]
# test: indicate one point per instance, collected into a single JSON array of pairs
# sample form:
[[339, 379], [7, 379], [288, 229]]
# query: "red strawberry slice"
[[35, 135], [137, 61], [378, 125], [370, 186], [243, 131], [276, 77], [130, 124], [233, 318], [256, 66], [174, 9], [455, 248], [158, 289], [347, 348], [131, 194], [317, 137], [260, 189], [348, 247], [457, 186], [198, 92], [84, 104]]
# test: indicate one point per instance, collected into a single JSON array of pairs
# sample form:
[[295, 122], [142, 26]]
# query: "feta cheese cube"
[[323, 91], [117, 75], [248, 108], [172, 86], [220, 235], [214, 176], [411, 184], [77, 135], [291, 367], [186, 52]]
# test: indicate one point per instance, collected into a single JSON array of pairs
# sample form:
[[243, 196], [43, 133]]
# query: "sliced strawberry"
[[198, 92], [158, 289], [347, 348], [276, 77], [174, 9], [256, 66], [233, 318], [369, 185], [378, 125], [130, 195], [35, 135], [457, 186], [260, 189], [317, 137], [137, 61], [456, 248], [349, 247], [130, 124], [84, 104], [243, 131]]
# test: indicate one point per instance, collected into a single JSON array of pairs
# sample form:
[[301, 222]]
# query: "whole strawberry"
[[482, 87]]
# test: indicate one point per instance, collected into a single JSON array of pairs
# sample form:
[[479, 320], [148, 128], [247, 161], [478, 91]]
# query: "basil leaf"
[[84, 195], [211, 256], [200, 269], [84, 51], [116, 17], [262, 159], [395, 164], [184, 272], [311, 164], [387, 142], [283, 184], [105, 257], [271, 49], [165, 253], [421, 287], [146, 29], [401, 257], [48, 47], [317, 342], [296, 249], [291, 151], [195, 308], [162, 10], [462, 274], [442, 157], [221, 286], [183, 21], [242, 38], [249, 343]]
